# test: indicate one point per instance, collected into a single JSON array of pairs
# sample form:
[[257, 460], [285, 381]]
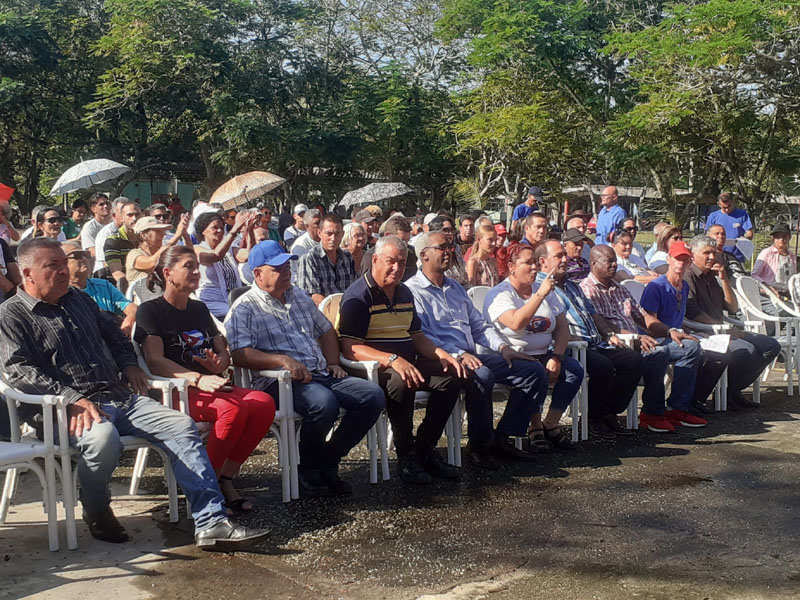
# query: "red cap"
[[500, 229], [679, 249]]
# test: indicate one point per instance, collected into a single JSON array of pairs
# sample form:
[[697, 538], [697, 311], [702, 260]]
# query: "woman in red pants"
[[179, 339]]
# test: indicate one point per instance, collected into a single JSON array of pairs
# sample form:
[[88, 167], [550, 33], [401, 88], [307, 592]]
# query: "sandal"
[[558, 438], [238, 505], [538, 441]]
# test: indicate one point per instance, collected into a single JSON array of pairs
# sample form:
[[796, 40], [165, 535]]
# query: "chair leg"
[[575, 412], [138, 470], [584, 410], [294, 433], [372, 446], [9, 487], [52, 502], [383, 445], [69, 492], [724, 390], [631, 414]]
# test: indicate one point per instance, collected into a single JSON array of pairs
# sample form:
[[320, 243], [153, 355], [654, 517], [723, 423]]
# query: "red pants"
[[241, 419]]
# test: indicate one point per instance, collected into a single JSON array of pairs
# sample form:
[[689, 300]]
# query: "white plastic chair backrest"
[[636, 288], [478, 296], [138, 292], [794, 290], [330, 307], [748, 287], [745, 246]]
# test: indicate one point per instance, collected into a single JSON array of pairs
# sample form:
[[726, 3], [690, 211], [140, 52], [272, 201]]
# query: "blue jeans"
[[686, 360], [568, 383], [528, 381], [318, 402], [170, 430]]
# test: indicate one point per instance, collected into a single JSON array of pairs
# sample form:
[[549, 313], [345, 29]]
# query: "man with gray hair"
[[711, 292], [55, 340], [310, 239], [378, 321]]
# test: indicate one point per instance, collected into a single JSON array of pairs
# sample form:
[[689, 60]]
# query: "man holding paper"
[[710, 292]]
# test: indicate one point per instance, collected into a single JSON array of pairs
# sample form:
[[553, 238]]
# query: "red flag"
[[5, 192]]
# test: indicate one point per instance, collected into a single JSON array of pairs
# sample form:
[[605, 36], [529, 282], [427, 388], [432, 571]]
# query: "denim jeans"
[[686, 361], [568, 383], [528, 382], [319, 402], [170, 430]]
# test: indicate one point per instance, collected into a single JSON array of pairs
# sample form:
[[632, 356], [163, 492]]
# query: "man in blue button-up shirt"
[[451, 321], [610, 216]]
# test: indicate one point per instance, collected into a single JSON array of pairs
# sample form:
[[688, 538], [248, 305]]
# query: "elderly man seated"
[[397, 226], [107, 297], [616, 305], [710, 293], [326, 269], [275, 325], [378, 321], [574, 244], [451, 322], [614, 370], [733, 267], [53, 341]]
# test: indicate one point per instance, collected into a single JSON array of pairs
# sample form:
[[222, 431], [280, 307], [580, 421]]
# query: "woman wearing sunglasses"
[[46, 221], [668, 236]]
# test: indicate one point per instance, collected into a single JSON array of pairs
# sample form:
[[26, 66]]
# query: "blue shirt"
[[608, 219], [579, 312], [106, 296], [649, 254], [664, 301], [449, 318], [735, 225], [523, 210]]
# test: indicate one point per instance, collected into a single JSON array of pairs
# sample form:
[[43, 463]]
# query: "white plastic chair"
[[138, 292], [636, 288], [23, 454], [478, 296], [748, 292], [745, 246]]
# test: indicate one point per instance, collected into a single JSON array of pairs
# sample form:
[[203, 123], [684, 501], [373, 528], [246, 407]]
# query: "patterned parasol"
[[374, 193], [243, 188]]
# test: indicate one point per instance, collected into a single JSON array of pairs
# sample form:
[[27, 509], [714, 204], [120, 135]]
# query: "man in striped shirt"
[[378, 321]]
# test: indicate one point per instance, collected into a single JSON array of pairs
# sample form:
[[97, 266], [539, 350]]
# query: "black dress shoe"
[[411, 470], [227, 536], [599, 429], [311, 484], [738, 399], [336, 486], [505, 448], [700, 409], [614, 425], [481, 457], [105, 527], [436, 466]]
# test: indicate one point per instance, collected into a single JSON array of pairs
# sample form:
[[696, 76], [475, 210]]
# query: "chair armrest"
[[577, 344], [279, 374], [369, 367], [628, 338]]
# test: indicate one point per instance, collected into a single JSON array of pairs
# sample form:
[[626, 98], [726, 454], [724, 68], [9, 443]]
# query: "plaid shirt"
[[63, 349], [316, 274], [613, 302], [261, 321]]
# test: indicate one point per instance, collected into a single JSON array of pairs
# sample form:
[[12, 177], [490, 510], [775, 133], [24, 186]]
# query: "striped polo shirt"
[[367, 315]]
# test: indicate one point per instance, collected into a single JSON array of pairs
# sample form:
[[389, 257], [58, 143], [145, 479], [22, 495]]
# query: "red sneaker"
[[655, 423], [685, 418]]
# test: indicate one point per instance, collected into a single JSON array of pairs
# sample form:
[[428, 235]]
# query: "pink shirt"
[[768, 263]]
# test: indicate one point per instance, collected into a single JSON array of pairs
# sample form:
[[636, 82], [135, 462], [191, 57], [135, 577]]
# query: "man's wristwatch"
[[392, 358]]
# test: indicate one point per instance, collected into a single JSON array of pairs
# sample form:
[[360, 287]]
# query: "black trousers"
[[444, 391], [613, 376]]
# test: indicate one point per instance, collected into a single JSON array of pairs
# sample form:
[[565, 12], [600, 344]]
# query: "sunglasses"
[[78, 255], [630, 229], [54, 220], [103, 204], [161, 217]]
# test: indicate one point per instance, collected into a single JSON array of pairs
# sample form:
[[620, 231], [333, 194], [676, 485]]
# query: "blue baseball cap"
[[536, 192], [268, 252]]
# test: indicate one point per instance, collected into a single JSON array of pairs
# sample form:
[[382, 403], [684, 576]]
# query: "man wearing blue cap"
[[530, 205], [276, 325]]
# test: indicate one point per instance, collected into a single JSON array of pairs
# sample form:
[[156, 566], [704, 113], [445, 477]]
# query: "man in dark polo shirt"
[[710, 292], [378, 321], [123, 241]]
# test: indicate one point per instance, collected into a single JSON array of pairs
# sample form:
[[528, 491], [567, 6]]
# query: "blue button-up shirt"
[[449, 318], [608, 219]]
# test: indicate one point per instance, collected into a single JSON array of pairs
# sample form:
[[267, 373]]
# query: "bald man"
[[610, 216]]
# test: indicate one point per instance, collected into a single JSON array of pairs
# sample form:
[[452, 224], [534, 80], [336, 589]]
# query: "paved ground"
[[703, 514]]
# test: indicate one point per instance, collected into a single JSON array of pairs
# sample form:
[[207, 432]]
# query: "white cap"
[[428, 218], [300, 208]]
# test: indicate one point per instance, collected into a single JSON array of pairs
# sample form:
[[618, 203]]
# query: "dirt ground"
[[707, 513]]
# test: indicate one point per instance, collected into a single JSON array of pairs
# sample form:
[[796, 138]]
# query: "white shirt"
[[100, 242], [658, 259], [89, 238], [535, 337], [632, 265], [638, 251], [62, 237]]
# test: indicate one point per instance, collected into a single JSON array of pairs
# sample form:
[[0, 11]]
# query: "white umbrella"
[[87, 174], [243, 188], [374, 193]]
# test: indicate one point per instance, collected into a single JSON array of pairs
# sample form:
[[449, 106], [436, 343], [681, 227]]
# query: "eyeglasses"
[[161, 217], [54, 220], [441, 247], [78, 255], [630, 229]]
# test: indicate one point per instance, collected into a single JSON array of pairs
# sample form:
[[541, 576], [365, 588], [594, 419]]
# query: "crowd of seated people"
[[405, 304]]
